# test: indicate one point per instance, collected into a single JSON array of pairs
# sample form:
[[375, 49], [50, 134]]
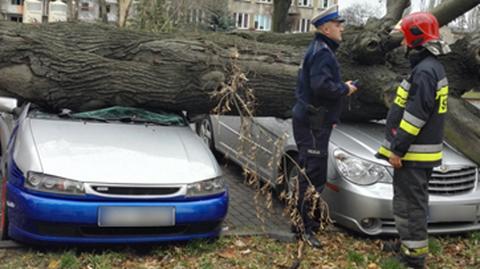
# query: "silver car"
[[359, 189]]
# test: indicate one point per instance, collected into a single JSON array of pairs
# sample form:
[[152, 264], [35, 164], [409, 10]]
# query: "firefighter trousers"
[[410, 209]]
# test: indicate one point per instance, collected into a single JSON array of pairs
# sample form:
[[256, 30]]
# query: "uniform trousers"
[[312, 144]]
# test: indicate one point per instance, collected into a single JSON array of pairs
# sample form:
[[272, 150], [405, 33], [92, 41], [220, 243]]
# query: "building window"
[[264, 1], [108, 8], [325, 3], [304, 3], [33, 6], [84, 6], [16, 19], [17, 2], [263, 22], [304, 25], [241, 20]]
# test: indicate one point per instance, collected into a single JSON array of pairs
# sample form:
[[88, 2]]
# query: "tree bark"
[[462, 129], [103, 11], [84, 66], [271, 69], [123, 10], [280, 13]]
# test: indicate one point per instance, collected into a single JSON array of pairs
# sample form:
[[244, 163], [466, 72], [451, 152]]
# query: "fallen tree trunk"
[[69, 65], [462, 128], [85, 66]]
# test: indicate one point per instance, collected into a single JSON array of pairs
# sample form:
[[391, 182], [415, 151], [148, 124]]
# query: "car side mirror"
[[8, 104]]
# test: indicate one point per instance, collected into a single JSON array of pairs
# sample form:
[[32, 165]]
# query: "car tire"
[[204, 129], [290, 171]]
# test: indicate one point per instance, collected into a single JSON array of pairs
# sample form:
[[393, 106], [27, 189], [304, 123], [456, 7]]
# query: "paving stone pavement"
[[242, 212]]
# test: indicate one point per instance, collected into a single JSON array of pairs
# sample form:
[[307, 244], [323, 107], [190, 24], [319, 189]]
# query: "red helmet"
[[419, 28]]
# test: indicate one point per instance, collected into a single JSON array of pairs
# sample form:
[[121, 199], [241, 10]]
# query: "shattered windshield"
[[122, 114]]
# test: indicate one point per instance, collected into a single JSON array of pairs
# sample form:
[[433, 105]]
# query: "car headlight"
[[206, 187], [47, 183], [360, 171]]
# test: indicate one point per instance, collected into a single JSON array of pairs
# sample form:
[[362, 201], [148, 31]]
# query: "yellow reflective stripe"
[[442, 96], [423, 157], [384, 151], [401, 92], [414, 252], [442, 91], [400, 102], [414, 156], [409, 128], [401, 98], [443, 104]]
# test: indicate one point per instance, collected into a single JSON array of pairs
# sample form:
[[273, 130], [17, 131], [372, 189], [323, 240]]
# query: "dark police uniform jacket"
[[414, 127], [319, 82]]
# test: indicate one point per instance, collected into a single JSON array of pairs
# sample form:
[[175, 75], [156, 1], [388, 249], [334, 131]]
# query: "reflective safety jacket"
[[414, 127]]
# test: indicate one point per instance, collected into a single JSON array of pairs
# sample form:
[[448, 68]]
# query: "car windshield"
[[122, 114]]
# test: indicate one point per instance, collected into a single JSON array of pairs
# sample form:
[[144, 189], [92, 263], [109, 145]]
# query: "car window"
[[120, 114]]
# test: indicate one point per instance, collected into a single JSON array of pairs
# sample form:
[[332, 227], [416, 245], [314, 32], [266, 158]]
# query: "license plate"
[[447, 213], [136, 216]]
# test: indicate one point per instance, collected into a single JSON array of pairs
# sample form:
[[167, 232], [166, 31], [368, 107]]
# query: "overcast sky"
[[375, 3]]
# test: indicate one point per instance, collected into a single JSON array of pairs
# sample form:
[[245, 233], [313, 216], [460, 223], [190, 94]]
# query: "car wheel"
[[205, 131], [290, 173]]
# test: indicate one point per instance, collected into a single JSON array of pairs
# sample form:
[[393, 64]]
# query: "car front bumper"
[[368, 209], [39, 219]]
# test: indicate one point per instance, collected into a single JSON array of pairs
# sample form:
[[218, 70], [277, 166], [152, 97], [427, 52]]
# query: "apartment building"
[[89, 10], [11, 10], [257, 14], [37, 11], [247, 14]]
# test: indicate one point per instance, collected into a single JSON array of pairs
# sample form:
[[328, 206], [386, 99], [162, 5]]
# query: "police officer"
[[414, 134], [319, 96]]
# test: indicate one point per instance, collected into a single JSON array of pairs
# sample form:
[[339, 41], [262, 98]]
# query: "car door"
[[258, 146]]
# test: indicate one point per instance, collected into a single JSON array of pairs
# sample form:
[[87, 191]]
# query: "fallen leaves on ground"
[[340, 250]]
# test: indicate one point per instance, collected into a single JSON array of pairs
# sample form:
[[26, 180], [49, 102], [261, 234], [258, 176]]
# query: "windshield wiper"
[[140, 120]]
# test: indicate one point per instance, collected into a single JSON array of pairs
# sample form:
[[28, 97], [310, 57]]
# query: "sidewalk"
[[242, 213]]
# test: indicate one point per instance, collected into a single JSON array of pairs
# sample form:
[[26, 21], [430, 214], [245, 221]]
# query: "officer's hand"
[[395, 161], [351, 88]]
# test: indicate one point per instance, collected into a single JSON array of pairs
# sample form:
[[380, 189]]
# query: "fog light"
[[370, 223]]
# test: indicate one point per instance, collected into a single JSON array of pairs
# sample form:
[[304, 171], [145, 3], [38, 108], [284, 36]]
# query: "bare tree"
[[358, 14], [123, 11], [280, 13], [103, 11], [72, 10]]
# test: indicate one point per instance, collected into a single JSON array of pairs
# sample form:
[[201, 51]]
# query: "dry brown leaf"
[[53, 264], [228, 253], [239, 243], [245, 252]]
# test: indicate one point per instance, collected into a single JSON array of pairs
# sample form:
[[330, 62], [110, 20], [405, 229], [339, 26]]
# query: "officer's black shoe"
[[392, 246], [312, 240]]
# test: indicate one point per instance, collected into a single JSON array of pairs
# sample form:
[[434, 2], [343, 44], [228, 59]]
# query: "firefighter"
[[319, 95], [414, 134]]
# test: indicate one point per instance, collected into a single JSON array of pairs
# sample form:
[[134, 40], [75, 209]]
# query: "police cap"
[[326, 15]]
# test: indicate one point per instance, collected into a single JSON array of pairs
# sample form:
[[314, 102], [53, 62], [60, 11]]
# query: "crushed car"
[[113, 175]]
